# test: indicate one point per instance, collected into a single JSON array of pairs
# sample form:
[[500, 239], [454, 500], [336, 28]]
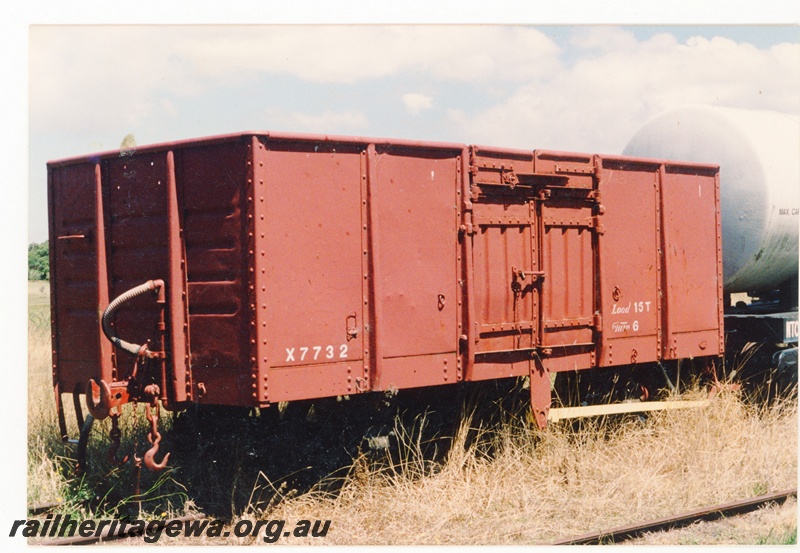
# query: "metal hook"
[[154, 437], [101, 408], [150, 454], [115, 436]]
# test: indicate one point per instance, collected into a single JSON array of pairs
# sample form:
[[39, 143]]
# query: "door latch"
[[351, 325], [522, 274]]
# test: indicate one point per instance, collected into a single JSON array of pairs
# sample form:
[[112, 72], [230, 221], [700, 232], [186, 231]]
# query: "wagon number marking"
[[314, 352]]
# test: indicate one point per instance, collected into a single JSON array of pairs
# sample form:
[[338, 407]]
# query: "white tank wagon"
[[759, 157]]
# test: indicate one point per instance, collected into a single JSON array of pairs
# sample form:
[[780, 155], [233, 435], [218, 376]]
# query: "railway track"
[[41, 508], [624, 533]]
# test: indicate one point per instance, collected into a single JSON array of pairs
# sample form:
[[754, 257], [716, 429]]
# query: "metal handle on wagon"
[[135, 349]]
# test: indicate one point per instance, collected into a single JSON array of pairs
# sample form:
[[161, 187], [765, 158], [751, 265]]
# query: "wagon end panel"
[[692, 261], [77, 262], [135, 191], [413, 238], [212, 186], [176, 214], [310, 264]]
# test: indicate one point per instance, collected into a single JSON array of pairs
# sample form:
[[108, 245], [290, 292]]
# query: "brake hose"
[[148, 286]]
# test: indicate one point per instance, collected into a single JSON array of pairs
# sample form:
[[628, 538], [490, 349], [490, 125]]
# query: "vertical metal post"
[[540, 231], [668, 349], [659, 245], [720, 295], [368, 323], [257, 268], [467, 266], [599, 281], [176, 290], [105, 350], [372, 301]]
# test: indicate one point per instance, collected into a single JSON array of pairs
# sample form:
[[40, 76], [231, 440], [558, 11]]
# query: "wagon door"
[[506, 264], [534, 268], [569, 227]]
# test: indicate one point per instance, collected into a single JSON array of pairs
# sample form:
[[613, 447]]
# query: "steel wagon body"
[[290, 267]]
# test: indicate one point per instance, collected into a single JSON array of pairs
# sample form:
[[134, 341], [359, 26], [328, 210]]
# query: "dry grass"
[[45, 484], [507, 484], [540, 487]]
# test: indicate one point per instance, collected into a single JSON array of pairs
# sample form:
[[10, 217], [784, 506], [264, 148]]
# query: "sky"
[[568, 87]]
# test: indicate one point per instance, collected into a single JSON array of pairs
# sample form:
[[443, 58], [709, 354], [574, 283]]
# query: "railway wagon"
[[257, 268]]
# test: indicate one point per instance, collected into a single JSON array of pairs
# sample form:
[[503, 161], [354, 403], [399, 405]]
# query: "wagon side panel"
[[413, 196], [692, 262], [630, 265], [310, 258]]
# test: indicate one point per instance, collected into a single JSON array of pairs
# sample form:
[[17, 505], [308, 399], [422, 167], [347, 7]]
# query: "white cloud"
[[600, 102], [325, 122], [599, 39], [103, 76], [350, 53], [416, 102]]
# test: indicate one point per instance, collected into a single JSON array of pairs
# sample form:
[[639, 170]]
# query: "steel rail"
[[41, 508], [715, 512], [106, 535]]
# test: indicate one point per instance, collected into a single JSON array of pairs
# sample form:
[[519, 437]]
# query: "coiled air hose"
[[148, 286]]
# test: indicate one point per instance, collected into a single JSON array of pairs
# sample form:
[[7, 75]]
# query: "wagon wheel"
[[83, 441]]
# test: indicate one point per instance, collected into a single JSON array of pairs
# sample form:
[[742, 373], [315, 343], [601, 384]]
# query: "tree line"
[[39, 261]]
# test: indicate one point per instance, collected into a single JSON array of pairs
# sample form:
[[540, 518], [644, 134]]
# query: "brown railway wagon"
[[287, 267]]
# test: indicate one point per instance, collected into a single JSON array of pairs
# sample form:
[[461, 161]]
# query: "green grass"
[[787, 537]]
